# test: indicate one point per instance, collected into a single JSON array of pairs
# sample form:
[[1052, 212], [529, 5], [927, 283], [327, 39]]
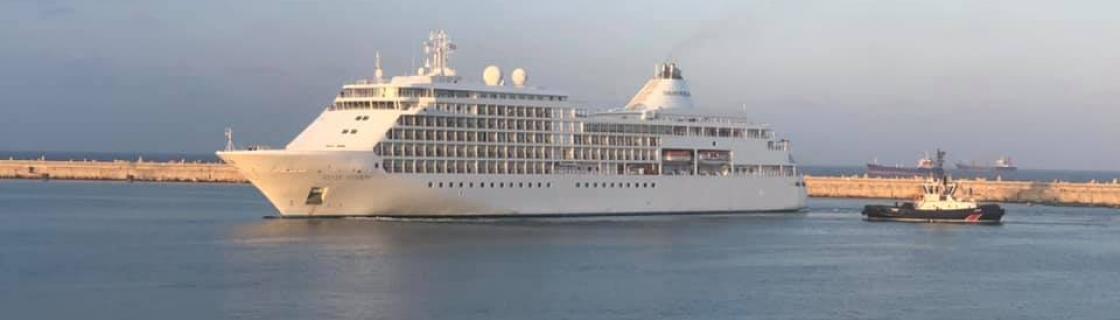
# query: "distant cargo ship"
[[926, 167], [1002, 165]]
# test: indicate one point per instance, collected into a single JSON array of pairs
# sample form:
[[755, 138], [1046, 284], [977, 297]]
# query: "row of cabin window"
[[469, 136], [529, 167], [363, 92], [727, 170], [466, 167], [766, 170], [492, 185], [475, 123], [362, 105], [519, 137], [490, 110], [513, 111], [529, 185], [616, 185], [349, 131], [780, 145], [391, 149], [497, 123], [626, 141], [447, 93], [361, 118], [677, 130], [441, 93]]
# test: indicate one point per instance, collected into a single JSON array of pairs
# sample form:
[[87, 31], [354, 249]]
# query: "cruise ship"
[[433, 144]]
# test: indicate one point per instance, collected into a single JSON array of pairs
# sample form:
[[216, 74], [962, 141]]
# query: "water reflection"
[[826, 261], [472, 269]]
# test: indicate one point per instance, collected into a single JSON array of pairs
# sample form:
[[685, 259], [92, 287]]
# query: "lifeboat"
[[677, 156]]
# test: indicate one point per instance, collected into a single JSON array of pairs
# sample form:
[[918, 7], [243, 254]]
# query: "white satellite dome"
[[492, 75], [519, 77]]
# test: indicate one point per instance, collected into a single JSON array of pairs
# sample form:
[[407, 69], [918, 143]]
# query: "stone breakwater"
[[1055, 193], [1060, 193], [120, 171]]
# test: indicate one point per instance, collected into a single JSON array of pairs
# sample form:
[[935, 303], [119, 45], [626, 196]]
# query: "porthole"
[[460, 184], [441, 184], [353, 131], [429, 184], [345, 131]]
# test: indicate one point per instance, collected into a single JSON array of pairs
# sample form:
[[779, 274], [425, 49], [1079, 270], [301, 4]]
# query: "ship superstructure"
[[433, 144]]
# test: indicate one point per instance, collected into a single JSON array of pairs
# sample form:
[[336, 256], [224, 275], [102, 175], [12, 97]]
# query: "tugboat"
[[936, 205]]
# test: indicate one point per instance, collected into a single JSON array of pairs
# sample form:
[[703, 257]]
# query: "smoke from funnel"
[[703, 35]]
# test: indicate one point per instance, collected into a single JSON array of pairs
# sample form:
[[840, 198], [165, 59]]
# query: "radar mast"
[[438, 48]]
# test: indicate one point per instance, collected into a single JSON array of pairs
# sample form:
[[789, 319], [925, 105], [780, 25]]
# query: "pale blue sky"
[[845, 80]]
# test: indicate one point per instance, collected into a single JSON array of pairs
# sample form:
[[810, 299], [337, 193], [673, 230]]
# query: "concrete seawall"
[[1057, 193], [1063, 193], [120, 171]]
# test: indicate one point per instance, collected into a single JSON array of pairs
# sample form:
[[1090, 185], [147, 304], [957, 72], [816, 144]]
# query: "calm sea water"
[[86, 250]]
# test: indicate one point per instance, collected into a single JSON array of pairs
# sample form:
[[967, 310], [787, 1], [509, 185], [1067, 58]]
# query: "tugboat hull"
[[987, 213]]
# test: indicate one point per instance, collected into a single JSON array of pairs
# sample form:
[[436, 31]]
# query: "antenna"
[[377, 73], [438, 49], [229, 140], [412, 64]]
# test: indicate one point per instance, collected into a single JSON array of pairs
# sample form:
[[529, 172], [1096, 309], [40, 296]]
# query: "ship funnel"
[[666, 90]]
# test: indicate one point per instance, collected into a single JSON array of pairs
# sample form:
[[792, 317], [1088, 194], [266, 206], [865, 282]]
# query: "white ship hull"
[[352, 185]]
